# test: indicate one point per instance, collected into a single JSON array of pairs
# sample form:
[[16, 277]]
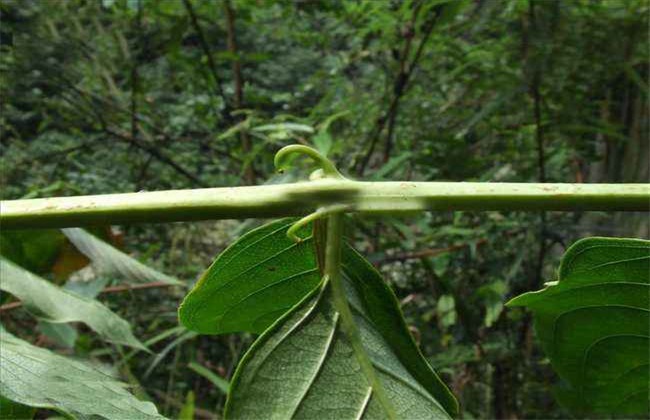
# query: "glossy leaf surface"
[[594, 324], [252, 283], [37, 377], [53, 304]]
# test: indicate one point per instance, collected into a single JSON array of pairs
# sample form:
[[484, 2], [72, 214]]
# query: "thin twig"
[[208, 53], [249, 173], [400, 87], [160, 156], [432, 252], [112, 289]]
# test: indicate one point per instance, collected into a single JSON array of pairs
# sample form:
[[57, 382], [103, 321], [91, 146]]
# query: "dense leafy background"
[[118, 96]]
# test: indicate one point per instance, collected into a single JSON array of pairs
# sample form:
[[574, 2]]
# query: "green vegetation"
[[398, 268], [594, 324]]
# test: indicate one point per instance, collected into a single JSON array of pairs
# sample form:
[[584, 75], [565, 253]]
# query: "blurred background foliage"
[[131, 95]]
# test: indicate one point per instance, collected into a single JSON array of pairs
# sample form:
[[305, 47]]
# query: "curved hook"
[[326, 166], [319, 213]]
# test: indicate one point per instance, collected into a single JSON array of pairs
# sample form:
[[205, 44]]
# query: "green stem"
[[318, 214], [326, 165], [302, 198], [333, 274]]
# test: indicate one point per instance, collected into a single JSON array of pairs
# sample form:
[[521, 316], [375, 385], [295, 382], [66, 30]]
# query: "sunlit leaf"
[[594, 324], [301, 128]]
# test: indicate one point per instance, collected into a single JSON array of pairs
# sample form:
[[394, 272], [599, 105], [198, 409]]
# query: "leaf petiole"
[[332, 275]]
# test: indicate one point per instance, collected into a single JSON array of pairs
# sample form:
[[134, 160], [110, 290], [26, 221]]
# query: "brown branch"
[[535, 78], [135, 74], [533, 75], [153, 151], [406, 73], [249, 173], [432, 252], [10, 306], [400, 86], [112, 289], [208, 53], [91, 98]]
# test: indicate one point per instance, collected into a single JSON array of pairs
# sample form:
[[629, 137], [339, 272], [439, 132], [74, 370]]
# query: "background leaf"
[[220, 383], [187, 411], [111, 261], [35, 250], [53, 304], [37, 377], [594, 325], [10, 410]]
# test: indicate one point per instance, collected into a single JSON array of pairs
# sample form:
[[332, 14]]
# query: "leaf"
[[300, 128], [50, 303], [10, 410], [62, 334], [393, 164], [304, 367], [35, 250], [594, 324], [37, 377], [252, 283], [187, 411], [243, 270], [182, 337], [216, 380], [109, 260], [383, 309]]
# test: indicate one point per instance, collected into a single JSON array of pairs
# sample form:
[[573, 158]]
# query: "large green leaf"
[[252, 283], [594, 324], [257, 275], [53, 304], [305, 367], [37, 377], [382, 308]]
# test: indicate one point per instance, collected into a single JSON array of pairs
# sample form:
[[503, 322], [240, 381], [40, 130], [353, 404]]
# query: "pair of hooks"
[[326, 169]]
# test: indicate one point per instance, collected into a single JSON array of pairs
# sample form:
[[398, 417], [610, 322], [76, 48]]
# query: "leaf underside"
[[594, 324], [37, 377], [262, 276], [305, 367]]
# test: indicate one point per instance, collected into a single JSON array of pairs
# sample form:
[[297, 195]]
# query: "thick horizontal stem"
[[304, 197]]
